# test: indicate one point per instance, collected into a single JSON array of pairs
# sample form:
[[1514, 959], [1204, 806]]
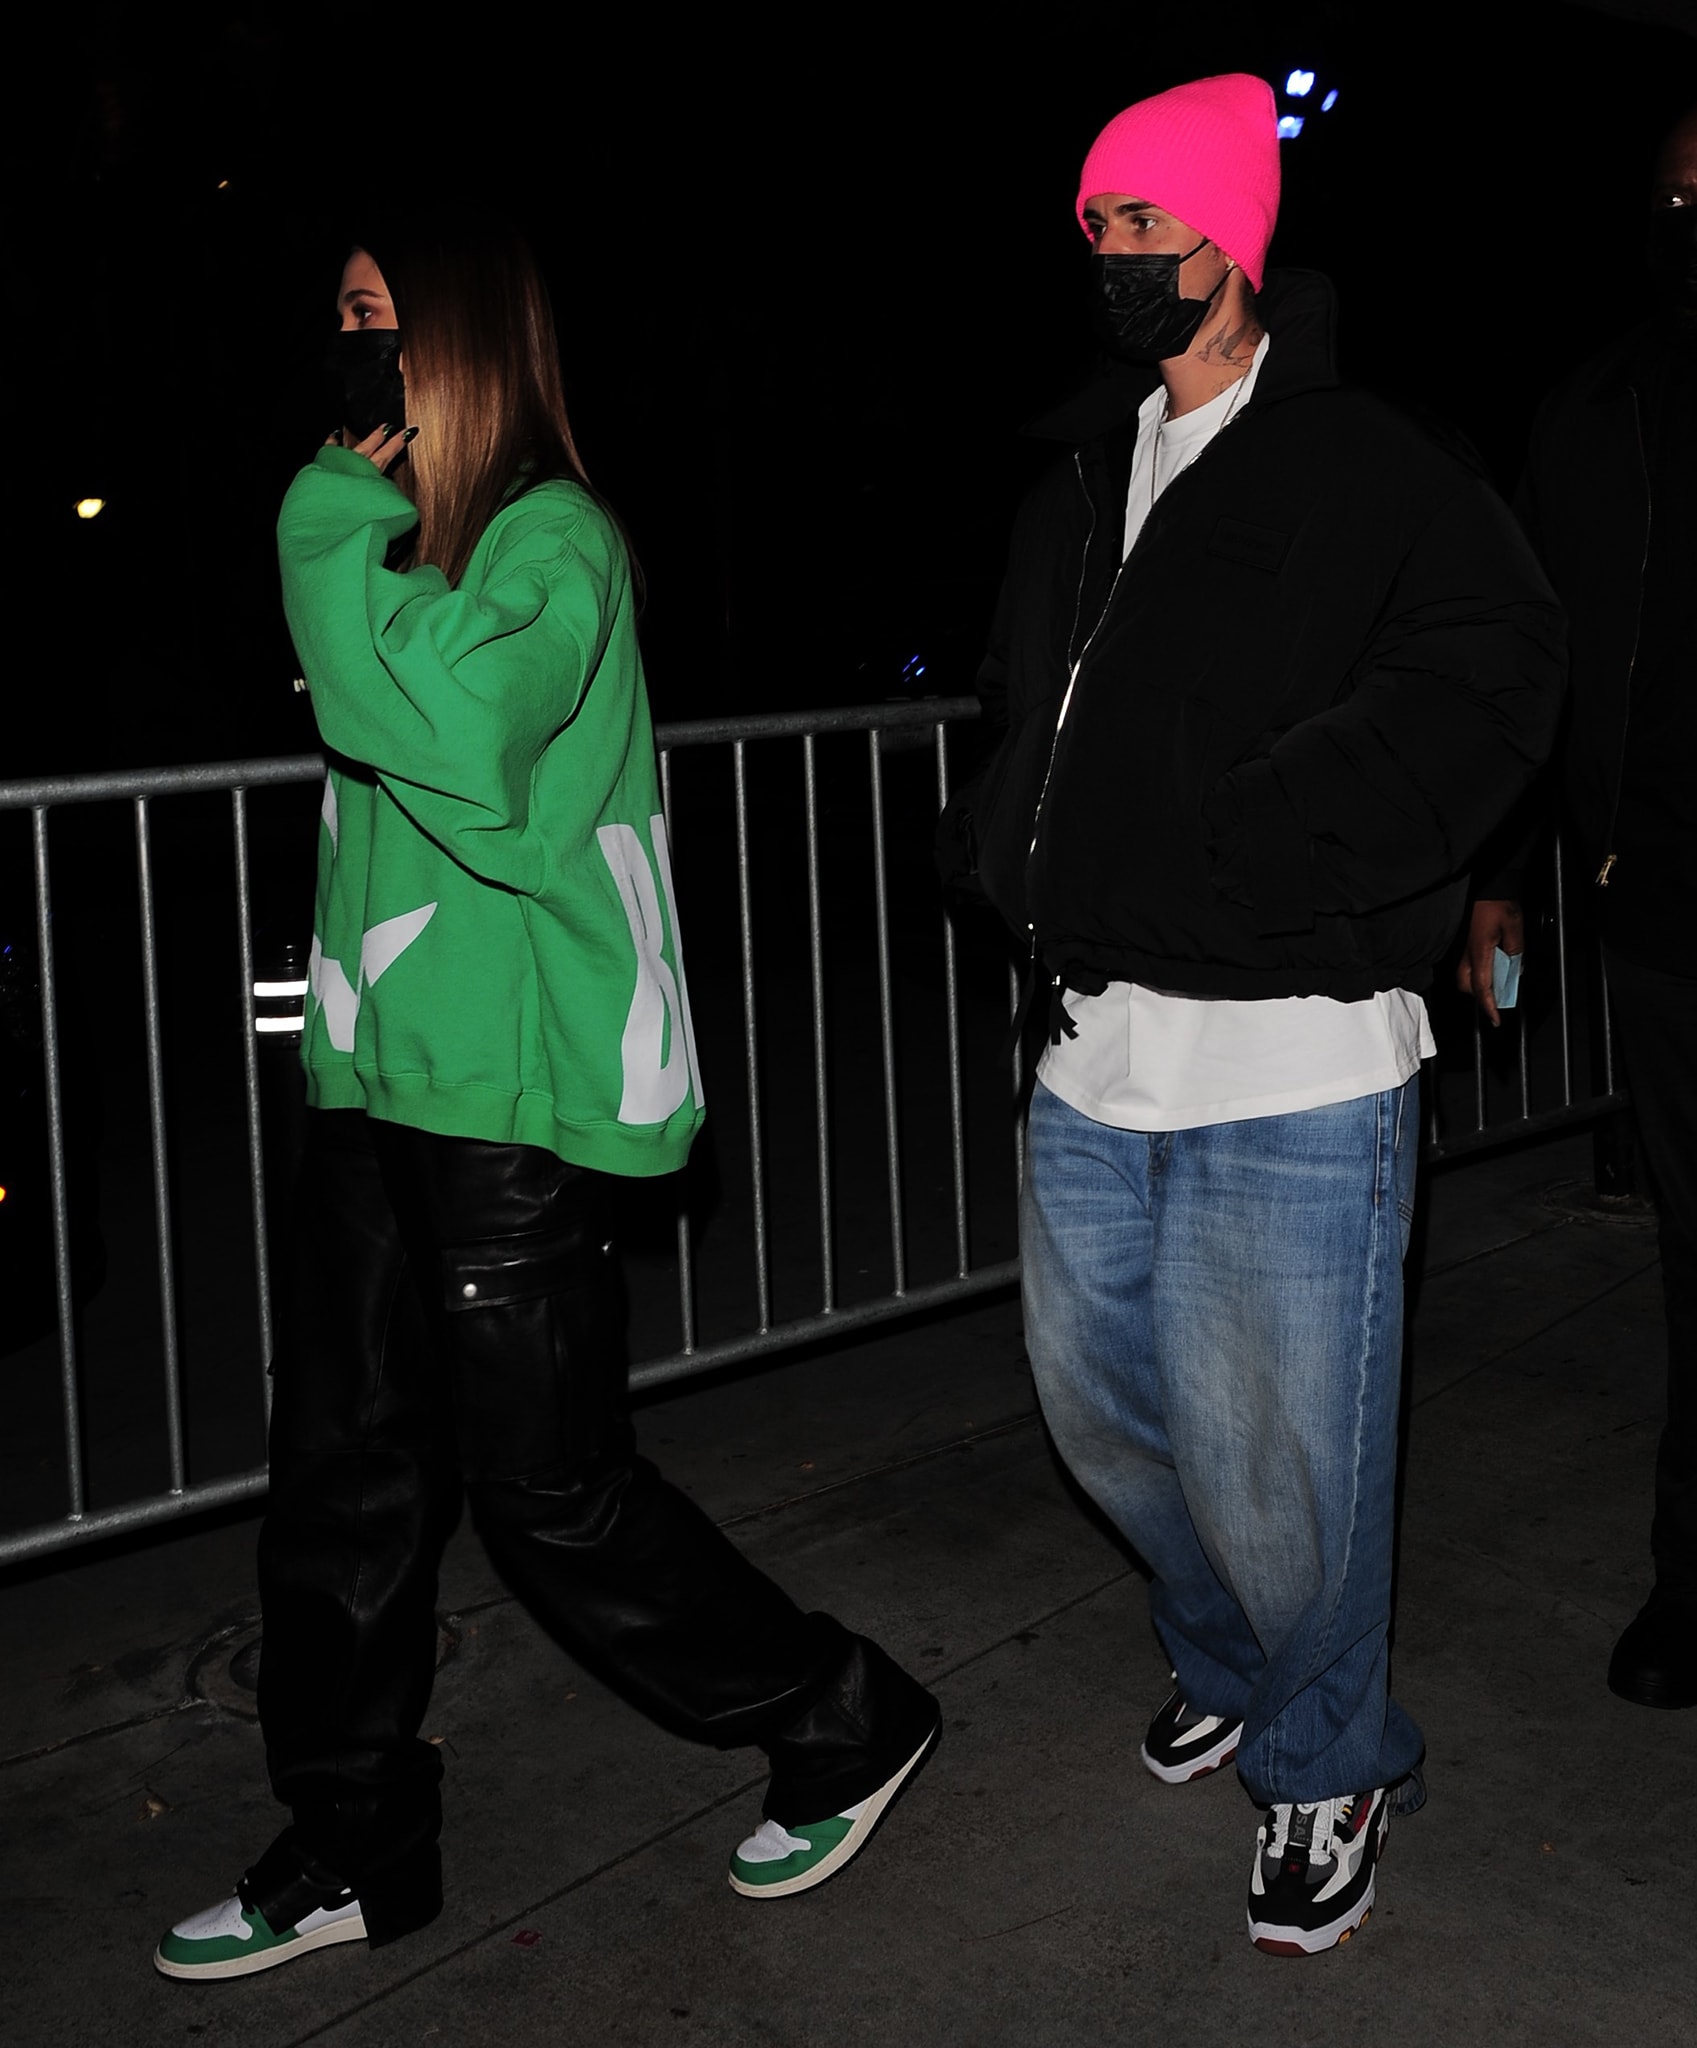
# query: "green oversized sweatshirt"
[[495, 953]]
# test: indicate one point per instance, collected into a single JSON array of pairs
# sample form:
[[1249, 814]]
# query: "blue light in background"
[[1290, 126], [1300, 84], [1329, 102]]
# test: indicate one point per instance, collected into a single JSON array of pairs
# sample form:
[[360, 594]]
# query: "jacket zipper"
[[1077, 610], [1609, 860], [1078, 605]]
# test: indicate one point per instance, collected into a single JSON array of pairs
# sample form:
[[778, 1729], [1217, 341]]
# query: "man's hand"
[[1496, 921]]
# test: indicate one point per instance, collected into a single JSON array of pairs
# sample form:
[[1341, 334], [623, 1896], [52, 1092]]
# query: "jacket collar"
[[1298, 309]]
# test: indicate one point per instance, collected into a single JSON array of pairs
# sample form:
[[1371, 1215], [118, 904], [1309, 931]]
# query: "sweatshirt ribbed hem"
[[641, 1151]]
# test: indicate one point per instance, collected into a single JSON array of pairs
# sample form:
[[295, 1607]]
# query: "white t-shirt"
[[1148, 1061]]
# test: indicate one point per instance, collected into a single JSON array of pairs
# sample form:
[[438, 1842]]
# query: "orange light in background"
[[90, 508]]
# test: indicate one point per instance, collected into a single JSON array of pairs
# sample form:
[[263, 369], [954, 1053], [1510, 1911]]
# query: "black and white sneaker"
[[1312, 1884], [1183, 1744]]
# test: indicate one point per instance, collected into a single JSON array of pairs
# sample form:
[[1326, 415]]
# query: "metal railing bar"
[[821, 1085], [1478, 1070], [745, 922], [1563, 1116], [1524, 1056], [773, 725], [130, 783], [1561, 978], [951, 1026], [250, 1087], [45, 1537], [686, 1250], [156, 1126], [57, 1178], [887, 1021], [660, 1372]]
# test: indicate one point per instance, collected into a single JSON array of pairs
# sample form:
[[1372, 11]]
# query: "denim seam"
[[1370, 1303]]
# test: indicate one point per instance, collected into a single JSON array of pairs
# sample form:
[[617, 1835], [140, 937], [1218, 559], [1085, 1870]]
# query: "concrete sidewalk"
[[1037, 1886]]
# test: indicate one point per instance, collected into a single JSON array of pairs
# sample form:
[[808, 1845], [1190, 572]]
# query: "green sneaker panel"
[[817, 1840], [229, 1940]]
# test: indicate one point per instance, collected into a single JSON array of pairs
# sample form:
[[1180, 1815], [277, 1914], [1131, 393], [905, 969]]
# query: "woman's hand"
[[382, 449]]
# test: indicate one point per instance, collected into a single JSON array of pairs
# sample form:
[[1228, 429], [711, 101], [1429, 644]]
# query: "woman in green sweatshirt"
[[498, 1024]]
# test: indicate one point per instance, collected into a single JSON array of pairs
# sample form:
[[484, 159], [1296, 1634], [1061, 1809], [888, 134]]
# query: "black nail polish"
[[411, 434]]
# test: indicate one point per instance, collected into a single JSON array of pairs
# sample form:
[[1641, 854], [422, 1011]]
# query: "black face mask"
[[1673, 256], [1138, 313], [365, 365]]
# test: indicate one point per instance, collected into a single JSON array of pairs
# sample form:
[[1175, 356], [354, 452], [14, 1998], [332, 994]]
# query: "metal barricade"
[[1523, 1083], [882, 735], [795, 813]]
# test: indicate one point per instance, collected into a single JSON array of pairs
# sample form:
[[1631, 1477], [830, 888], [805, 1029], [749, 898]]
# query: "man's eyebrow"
[[1094, 212], [358, 291]]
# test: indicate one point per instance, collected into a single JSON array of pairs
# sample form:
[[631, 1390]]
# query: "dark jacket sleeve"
[[957, 840], [1389, 792]]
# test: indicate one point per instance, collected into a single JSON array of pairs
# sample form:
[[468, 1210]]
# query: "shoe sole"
[[1314, 1941], [1306, 1941], [1644, 1691], [1201, 1765], [854, 1841], [267, 1959]]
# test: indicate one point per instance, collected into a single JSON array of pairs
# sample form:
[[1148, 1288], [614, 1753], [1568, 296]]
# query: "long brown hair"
[[482, 374]]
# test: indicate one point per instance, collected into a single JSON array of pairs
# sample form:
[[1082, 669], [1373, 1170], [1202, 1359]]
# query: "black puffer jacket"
[[1325, 670], [1609, 499]]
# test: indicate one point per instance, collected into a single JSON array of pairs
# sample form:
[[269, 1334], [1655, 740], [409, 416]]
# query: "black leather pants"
[[457, 1315]]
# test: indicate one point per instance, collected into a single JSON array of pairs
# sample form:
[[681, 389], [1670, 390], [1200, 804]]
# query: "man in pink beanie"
[[1274, 661]]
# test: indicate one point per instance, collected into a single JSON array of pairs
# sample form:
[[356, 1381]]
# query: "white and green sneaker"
[[233, 1940], [776, 1861]]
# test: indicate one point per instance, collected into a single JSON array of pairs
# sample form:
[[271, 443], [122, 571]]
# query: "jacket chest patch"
[[1256, 547]]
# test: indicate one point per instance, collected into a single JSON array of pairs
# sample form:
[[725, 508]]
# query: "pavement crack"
[[792, 1500], [1506, 1244], [1526, 1337], [30, 1756], [1018, 1927]]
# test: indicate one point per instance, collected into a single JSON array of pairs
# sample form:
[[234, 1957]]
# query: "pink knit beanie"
[[1206, 152]]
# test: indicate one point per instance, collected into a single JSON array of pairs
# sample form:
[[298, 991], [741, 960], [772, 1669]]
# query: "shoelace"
[[1294, 1829]]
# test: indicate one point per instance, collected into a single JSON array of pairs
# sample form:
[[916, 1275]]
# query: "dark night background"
[[812, 270]]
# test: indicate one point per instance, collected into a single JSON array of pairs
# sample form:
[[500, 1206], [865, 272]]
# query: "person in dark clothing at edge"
[[1610, 503], [1274, 659]]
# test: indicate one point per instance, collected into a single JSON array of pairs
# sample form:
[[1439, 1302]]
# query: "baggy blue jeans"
[[1214, 1317]]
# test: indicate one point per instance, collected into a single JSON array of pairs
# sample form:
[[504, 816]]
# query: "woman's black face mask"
[[365, 363], [1138, 314]]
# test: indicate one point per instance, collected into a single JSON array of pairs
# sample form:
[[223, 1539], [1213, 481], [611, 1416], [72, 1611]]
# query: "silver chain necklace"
[[1160, 428]]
